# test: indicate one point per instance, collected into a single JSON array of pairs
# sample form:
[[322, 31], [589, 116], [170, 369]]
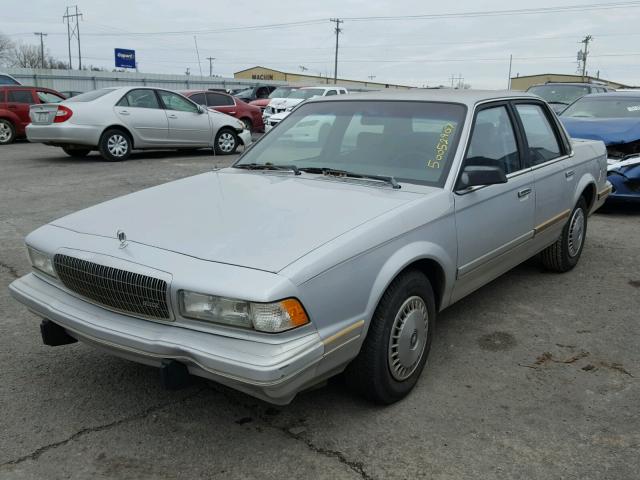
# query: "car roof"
[[467, 97], [570, 84], [613, 95]]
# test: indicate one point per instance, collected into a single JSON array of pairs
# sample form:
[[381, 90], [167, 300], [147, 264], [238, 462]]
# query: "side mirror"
[[202, 109], [479, 175]]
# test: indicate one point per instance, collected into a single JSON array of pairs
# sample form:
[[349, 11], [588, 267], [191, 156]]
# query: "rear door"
[[141, 112], [222, 103], [18, 102], [494, 222], [546, 153], [188, 126]]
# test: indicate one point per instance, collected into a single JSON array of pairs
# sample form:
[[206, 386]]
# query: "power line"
[[42, 35], [337, 21]]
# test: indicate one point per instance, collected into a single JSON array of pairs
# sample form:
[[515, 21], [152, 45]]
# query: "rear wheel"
[[563, 255], [7, 132], [115, 145], [76, 152], [226, 142], [395, 350]]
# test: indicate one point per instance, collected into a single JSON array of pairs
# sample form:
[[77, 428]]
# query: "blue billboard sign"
[[125, 58]]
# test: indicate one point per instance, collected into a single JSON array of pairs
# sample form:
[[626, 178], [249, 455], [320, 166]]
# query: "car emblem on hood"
[[123, 238]]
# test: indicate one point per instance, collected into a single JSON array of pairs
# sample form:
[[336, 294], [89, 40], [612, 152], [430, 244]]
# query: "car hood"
[[611, 131], [257, 220], [285, 102]]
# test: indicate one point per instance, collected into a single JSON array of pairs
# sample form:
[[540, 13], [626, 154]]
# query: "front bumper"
[[64, 134], [245, 137], [274, 372]]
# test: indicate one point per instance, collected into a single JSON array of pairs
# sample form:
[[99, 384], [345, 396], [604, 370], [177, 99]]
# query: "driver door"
[[494, 222], [188, 126]]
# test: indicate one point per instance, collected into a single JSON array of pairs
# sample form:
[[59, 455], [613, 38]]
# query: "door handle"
[[232, 113], [172, 116], [524, 192], [124, 112], [569, 173]]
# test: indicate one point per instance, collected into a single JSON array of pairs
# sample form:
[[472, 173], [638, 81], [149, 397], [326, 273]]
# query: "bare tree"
[[26, 56], [6, 49]]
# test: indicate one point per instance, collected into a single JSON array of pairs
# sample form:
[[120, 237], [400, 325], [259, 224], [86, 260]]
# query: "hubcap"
[[408, 338], [117, 145], [576, 232], [5, 132], [226, 142]]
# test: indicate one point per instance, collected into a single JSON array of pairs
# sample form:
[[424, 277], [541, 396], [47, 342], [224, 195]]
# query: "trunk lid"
[[43, 114]]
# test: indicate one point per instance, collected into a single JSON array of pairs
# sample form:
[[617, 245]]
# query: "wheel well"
[[589, 194], [122, 129], [434, 272]]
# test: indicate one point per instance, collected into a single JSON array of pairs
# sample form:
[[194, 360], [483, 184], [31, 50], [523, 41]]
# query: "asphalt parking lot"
[[534, 376]]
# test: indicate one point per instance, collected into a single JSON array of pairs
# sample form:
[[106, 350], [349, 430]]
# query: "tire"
[[563, 255], [115, 145], [385, 372], [7, 132], [248, 124], [226, 142], [77, 152]]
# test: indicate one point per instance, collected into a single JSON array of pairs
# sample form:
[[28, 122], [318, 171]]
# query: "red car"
[[250, 115], [15, 101]]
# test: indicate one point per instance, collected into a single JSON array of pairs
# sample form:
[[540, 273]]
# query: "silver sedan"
[[117, 120]]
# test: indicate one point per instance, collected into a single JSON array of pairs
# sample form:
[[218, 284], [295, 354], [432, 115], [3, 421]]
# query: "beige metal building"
[[524, 82], [269, 74]]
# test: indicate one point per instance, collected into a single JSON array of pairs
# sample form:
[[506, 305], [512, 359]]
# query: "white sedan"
[[117, 120]]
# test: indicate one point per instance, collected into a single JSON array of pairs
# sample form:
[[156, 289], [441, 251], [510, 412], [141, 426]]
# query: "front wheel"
[[226, 142], [115, 145], [563, 255], [76, 152], [395, 350], [7, 132]]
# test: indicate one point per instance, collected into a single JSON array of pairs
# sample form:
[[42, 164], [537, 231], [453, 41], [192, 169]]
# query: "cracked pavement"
[[533, 376]]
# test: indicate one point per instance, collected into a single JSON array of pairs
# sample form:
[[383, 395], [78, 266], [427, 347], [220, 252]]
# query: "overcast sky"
[[417, 52]]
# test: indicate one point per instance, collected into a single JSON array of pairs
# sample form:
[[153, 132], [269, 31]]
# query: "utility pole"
[[510, 64], [337, 21], [211, 59], [303, 68], [73, 30], [42, 35], [585, 53], [371, 77]]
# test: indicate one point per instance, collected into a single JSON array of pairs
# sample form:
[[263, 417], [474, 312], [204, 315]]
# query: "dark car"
[[560, 95], [254, 93], [250, 115], [613, 118], [15, 101]]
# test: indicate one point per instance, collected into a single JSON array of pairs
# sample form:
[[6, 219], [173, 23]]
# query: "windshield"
[[411, 141], [7, 80], [281, 92], [306, 93], [246, 93], [605, 107], [563, 94]]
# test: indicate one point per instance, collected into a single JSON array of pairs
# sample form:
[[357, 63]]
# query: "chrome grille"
[[121, 290]]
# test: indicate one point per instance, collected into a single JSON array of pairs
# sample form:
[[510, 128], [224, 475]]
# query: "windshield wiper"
[[268, 166], [345, 173], [558, 102]]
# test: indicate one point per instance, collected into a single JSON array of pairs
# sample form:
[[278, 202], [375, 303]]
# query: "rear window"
[[92, 95]]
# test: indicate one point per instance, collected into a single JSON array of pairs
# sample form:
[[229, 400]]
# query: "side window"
[[143, 98], [20, 96], [198, 98], [542, 140], [330, 92], [173, 101], [493, 141], [47, 97], [219, 100]]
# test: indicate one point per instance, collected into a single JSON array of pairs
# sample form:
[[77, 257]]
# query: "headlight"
[[264, 317], [41, 262]]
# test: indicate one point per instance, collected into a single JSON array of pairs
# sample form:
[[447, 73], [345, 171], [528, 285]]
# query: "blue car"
[[613, 118]]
